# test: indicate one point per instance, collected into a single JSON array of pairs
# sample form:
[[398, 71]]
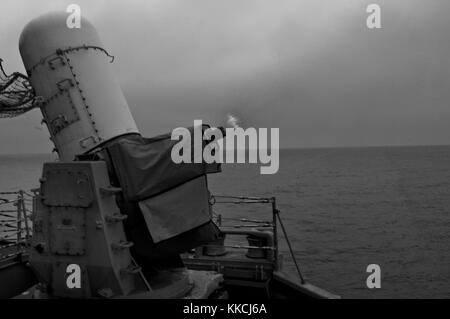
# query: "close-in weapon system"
[[115, 209], [114, 204]]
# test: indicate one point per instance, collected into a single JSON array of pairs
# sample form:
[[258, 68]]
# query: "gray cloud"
[[311, 67]]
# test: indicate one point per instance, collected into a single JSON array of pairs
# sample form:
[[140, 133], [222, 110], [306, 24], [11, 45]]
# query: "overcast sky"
[[311, 68]]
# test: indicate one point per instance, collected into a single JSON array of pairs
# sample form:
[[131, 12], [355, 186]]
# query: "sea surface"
[[343, 208]]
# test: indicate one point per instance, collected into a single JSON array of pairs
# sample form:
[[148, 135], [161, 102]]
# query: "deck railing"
[[254, 223], [16, 225], [15, 222]]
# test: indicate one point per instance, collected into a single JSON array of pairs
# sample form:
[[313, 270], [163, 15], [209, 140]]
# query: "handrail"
[[15, 217], [20, 220], [275, 218]]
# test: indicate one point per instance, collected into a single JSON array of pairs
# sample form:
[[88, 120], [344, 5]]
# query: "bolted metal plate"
[[66, 187], [67, 231], [57, 117]]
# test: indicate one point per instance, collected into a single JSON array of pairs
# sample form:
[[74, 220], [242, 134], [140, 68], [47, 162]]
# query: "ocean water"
[[343, 208]]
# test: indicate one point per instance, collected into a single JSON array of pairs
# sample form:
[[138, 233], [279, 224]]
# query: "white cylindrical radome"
[[83, 104]]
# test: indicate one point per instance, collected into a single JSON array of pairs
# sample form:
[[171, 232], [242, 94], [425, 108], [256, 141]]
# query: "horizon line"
[[287, 148]]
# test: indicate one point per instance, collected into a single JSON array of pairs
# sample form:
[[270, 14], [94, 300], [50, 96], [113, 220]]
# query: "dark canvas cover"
[[178, 210], [167, 204], [145, 248], [144, 167]]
